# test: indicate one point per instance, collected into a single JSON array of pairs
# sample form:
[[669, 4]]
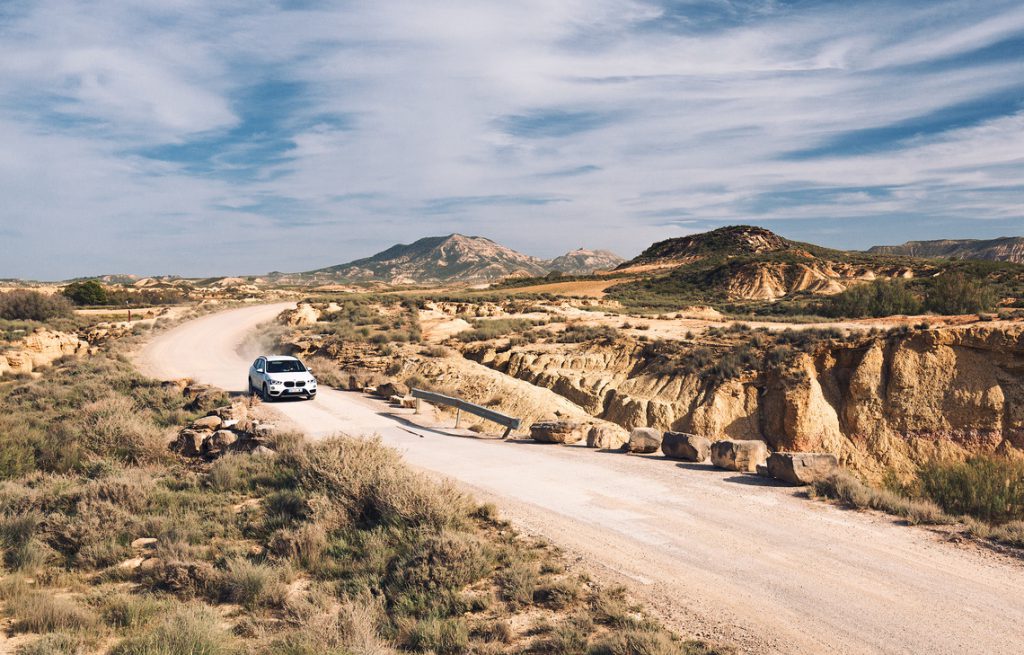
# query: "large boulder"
[[556, 432], [689, 447], [607, 437], [736, 455], [801, 468], [389, 389], [218, 443], [644, 440]]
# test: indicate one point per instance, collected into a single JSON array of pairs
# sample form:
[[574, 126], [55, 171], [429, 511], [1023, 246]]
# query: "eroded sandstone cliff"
[[883, 401]]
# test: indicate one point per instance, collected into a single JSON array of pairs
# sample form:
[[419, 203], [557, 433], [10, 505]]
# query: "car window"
[[258, 364], [285, 366]]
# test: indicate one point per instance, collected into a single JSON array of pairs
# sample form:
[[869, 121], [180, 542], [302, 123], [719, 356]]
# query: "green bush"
[[87, 292], [878, 298], [25, 305], [986, 487], [956, 293]]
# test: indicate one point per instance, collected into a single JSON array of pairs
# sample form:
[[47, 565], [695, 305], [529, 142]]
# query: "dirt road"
[[720, 555]]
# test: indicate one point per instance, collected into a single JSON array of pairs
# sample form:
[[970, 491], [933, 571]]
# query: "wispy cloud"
[[180, 136]]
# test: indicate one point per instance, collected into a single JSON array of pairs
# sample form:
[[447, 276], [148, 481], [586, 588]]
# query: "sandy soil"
[[718, 554]]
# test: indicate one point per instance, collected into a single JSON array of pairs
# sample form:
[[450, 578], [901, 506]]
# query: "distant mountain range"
[[1004, 249], [457, 258]]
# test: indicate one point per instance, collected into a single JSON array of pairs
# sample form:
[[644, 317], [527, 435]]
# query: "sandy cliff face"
[[39, 349], [888, 401]]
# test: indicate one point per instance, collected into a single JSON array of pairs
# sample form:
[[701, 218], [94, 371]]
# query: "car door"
[[256, 373]]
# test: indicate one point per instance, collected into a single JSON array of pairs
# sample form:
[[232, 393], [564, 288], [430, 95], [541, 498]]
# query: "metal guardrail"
[[510, 422]]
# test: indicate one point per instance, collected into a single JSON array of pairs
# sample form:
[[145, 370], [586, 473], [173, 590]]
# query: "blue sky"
[[204, 137]]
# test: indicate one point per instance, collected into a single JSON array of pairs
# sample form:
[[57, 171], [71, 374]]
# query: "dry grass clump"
[[40, 611], [847, 488], [189, 630], [253, 584]]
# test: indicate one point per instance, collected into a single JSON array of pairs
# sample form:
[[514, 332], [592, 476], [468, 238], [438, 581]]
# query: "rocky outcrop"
[[801, 468], [303, 314], [556, 432], [644, 441], [875, 401], [734, 455], [688, 447], [42, 347], [225, 429]]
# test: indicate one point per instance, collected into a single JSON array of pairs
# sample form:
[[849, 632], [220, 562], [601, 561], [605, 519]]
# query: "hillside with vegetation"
[[748, 269]]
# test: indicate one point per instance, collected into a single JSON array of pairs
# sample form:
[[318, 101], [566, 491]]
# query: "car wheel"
[[252, 392], [265, 396]]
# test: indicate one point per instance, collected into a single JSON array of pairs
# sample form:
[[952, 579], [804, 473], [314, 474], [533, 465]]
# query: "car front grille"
[[294, 384]]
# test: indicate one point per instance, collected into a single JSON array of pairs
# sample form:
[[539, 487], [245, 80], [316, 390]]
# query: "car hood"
[[291, 377]]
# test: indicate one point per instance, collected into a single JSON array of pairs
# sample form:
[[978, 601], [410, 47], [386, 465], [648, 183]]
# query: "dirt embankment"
[[878, 401]]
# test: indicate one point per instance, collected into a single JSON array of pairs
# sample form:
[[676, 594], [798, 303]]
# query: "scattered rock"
[[189, 442], [218, 442], [232, 412], [801, 468], [262, 451], [556, 432], [735, 455], [689, 447], [606, 437], [143, 543], [644, 440], [207, 423]]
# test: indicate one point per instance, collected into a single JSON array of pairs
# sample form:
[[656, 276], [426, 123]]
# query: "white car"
[[280, 376]]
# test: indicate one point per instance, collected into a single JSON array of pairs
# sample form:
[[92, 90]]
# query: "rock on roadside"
[[644, 440], [556, 432], [736, 455], [801, 468], [688, 447], [606, 437]]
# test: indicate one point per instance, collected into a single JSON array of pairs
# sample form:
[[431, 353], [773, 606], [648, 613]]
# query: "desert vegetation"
[[112, 544], [985, 493]]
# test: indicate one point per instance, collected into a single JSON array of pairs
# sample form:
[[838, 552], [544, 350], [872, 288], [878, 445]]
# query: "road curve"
[[719, 555]]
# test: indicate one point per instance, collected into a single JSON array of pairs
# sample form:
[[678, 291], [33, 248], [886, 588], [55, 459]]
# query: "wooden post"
[[458, 415]]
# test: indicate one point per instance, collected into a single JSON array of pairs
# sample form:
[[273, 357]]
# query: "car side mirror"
[[310, 371]]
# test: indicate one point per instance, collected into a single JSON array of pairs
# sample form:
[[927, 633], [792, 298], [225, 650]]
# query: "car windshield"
[[285, 366]]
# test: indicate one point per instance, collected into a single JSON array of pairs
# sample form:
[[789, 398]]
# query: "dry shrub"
[[328, 372], [21, 549], [374, 486], [442, 636], [191, 630], [320, 628], [113, 427], [132, 611], [39, 611], [518, 582], [253, 585], [559, 594], [847, 488], [56, 643], [305, 544]]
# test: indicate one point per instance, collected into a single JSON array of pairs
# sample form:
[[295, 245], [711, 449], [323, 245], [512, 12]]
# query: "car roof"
[[279, 358]]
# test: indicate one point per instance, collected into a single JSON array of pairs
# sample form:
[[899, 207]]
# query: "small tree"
[[88, 292], [26, 305], [956, 293]]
